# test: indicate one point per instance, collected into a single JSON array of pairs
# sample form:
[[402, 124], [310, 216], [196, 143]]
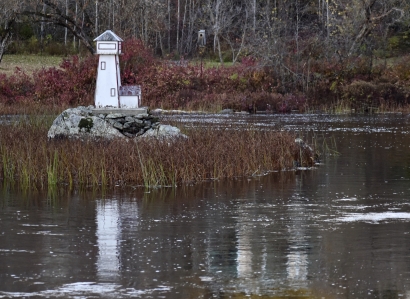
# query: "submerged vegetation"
[[28, 159]]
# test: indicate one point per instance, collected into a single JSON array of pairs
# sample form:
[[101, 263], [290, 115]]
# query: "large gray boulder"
[[80, 122], [84, 122], [164, 132]]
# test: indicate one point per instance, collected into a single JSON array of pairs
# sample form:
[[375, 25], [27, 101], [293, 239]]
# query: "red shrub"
[[15, 88], [248, 61], [136, 63], [73, 84]]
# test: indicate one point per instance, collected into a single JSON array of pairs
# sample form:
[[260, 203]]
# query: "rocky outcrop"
[[183, 112], [84, 122], [164, 131]]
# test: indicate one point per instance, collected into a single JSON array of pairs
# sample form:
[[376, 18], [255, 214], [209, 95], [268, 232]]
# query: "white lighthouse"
[[108, 90]]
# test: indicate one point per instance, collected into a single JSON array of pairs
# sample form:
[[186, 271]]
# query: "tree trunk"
[[219, 50], [42, 30], [5, 38], [75, 27], [169, 25], [254, 16], [183, 28], [189, 37], [96, 18], [161, 44], [178, 20], [66, 30]]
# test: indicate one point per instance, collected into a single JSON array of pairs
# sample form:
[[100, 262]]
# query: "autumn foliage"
[[358, 83], [72, 83]]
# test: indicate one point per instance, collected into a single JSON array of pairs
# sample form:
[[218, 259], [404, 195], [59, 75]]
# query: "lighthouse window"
[[103, 65], [113, 92], [107, 46]]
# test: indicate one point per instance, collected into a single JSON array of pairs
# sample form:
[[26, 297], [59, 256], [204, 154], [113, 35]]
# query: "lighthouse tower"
[[108, 90]]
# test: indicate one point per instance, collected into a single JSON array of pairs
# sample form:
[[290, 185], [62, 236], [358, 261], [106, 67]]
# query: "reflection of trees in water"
[[284, 256], [250, 234], [203, 228], [299, 231]]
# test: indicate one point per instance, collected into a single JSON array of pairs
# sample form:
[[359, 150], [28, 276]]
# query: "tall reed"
[[7, 165], [209, 153], [52, 171]]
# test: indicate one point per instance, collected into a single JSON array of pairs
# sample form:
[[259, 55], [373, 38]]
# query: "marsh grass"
[[7, 166], [323, 146], [52, 171], [43, 112], [31, 160], [329, 146]]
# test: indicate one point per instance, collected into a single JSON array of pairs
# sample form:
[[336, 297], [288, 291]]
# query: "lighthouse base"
[[125, 111]]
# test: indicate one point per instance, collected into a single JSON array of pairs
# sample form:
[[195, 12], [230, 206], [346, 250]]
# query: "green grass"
[[210, 63], [28, 63]]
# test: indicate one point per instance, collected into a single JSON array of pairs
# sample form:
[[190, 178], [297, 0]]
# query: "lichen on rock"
[[86, 124], [83, 122]]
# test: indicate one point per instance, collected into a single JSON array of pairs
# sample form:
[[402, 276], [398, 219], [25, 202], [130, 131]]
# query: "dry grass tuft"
[[32, 108]]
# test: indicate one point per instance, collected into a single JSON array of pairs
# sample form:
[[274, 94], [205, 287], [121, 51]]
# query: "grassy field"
[[28, 63]]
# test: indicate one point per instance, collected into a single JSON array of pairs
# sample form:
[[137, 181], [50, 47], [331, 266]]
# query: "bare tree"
[[274, 30], [220, 16], [9, 10], [55, 12], [373, 13], [236, 30]]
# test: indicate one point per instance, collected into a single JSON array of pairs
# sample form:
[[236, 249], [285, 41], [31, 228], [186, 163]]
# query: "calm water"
[[339, 231]]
